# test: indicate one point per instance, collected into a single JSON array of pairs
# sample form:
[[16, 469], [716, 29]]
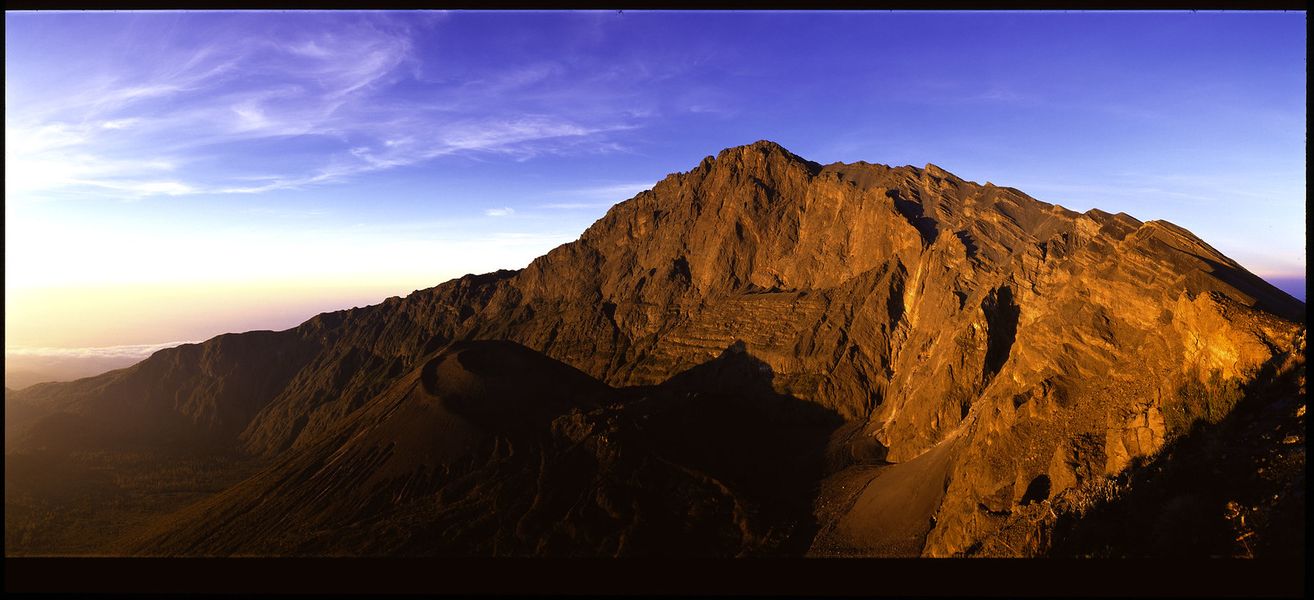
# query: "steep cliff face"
[[997, 350]]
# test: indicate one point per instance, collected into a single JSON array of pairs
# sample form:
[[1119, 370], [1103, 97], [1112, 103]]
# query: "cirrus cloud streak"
[[343, 92]]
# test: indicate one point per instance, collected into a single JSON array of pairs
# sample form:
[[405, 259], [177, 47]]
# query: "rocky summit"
[[763, 356]]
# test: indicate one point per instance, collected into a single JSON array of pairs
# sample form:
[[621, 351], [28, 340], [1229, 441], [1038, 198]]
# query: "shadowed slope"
[[918, 307], [492, 449]]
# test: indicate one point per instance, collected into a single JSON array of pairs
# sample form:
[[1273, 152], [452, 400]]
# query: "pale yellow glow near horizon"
[[75, 284], [125, 314], [41, 252], [72, 285], [161, 296]]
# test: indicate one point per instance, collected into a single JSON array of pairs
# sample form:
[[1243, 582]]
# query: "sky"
[[170, 176]]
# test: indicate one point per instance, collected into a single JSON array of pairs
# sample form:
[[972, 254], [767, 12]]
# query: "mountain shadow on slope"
[[499, 386], [492, 449], [1247, 500], [863, 288], [725, 417]]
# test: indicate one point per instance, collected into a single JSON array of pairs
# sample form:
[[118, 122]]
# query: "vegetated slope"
[[996, 348]]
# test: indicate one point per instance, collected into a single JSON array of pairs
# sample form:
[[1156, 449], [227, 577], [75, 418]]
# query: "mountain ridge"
[[913, 305]]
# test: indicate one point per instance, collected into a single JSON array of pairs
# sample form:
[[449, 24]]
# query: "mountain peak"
[[758, 315], [766, 145], [760, 147], [761, 153]]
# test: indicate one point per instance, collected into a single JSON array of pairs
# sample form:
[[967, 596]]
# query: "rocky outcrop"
[[985, 349]]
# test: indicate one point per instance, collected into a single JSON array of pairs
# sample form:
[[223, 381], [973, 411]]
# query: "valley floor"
[[82, 503]]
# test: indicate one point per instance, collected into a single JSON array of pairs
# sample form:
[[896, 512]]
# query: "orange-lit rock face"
[[1002, 351]]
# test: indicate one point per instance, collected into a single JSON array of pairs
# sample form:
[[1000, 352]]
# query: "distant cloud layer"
[[28, 365], [130, 351]]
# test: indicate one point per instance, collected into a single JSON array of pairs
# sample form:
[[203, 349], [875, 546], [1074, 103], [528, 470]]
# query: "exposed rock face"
[[999, 350]]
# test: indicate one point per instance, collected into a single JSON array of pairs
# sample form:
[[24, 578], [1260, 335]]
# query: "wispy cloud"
[[500, 212], [598, 196], [594, 197], [57, 155], [345, 88], [619, 191]]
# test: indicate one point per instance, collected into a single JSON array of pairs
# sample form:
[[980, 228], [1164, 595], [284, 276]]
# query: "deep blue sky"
[[374, 153]]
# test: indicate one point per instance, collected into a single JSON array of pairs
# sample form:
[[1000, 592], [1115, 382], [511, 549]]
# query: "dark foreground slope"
[[971, 355], [489, 448]]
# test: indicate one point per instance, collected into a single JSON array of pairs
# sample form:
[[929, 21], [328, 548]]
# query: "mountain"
[[763, 355], [23, 370], [491, 448], [21, 378]]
